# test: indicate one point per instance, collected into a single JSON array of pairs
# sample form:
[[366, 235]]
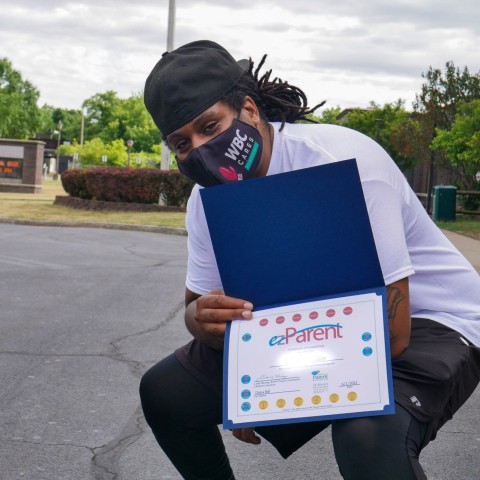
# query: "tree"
[[462, 143], [132, 121], [19, 113], [110, 118], [99, 113], [329, 115], [437, 105], [443, 91], [71, 121], [392, 127]]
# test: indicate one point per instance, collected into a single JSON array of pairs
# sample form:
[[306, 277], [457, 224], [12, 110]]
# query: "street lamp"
[[129, 145]]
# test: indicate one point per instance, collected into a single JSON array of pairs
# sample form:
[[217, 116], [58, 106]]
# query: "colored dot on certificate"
[[334, 398], [330, 313], [316, 399], [352, 396], [246, 394], [263, 404], [313, 315], [281, 403], [347, 310], [280, 319], [297, 317], [298, 401], [263, 322]]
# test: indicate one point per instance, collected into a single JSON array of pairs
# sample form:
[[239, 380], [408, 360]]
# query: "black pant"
[[439, 368], [191, 439]]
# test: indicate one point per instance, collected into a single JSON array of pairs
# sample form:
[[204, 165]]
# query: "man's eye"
[[210, 128], [180, 146]]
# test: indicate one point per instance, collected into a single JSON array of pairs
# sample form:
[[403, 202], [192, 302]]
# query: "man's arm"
[[398, 304]]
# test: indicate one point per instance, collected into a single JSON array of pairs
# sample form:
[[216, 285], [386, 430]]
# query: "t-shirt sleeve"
[[385, 205], [202, 270]]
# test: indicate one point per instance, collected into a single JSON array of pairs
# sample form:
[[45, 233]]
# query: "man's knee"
[[381, 447], [155, 394]]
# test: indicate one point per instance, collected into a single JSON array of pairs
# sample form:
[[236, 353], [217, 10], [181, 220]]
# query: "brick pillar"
[[21, 165]]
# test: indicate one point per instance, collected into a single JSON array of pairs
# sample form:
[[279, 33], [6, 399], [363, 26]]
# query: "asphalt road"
[[83, 313]]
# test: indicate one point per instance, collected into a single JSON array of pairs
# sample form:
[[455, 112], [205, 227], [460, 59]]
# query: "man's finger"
[[213, 315], [246, 435]]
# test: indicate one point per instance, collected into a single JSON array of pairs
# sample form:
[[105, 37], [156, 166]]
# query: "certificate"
[[318, 360], [299, 246]]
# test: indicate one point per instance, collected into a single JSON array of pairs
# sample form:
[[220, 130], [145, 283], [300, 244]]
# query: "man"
[[201, 99]]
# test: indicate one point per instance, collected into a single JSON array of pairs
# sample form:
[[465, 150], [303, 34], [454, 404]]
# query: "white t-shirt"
[[443, 286]]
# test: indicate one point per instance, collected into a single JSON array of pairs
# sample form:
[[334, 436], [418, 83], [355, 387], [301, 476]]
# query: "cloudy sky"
[[344, 51]]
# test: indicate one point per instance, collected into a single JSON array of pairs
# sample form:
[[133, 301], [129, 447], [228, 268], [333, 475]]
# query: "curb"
[[110, 226]]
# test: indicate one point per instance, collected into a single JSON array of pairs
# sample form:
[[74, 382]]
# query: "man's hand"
[[206, 316], [246, 435]]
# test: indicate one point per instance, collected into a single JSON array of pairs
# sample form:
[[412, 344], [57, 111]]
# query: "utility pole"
[[165, 163], [82, 126], [171, 25]]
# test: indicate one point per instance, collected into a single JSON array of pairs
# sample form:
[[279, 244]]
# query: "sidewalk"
[[469, 247]]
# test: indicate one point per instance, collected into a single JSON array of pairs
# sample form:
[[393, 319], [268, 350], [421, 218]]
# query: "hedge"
[[73, 182], [131, 185]]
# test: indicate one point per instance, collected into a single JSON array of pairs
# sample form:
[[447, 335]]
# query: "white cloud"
[[346, 52]]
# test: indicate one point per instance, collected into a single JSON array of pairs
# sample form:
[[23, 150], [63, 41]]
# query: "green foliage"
[[392, 127], [92, 151], [443, 91], [461, 143], [111, 118], [329, 115], [19, 113], [437, 105], [71, 122], [99, 114]]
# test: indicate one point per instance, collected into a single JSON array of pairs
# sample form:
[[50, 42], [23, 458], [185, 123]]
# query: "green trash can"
[[444, 202]]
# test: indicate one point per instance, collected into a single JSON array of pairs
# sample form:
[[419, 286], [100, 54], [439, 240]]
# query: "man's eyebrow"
[[202, 117], [173, 136], [195, 122]]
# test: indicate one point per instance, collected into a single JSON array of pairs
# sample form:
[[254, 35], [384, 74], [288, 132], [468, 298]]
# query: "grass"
[[39, 206], [465, 225]]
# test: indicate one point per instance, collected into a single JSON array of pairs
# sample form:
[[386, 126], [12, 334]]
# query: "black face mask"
[[233, 155]]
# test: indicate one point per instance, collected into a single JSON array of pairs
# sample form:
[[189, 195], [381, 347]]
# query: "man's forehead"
[[218, 108]]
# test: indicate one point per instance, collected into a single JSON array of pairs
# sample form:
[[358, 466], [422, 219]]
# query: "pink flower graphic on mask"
[[229, 173]]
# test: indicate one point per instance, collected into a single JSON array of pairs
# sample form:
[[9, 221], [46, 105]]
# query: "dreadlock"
[[276, 100]]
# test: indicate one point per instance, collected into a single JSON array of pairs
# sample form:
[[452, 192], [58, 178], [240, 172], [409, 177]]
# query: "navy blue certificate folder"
[[293, 236], [288, 239]]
